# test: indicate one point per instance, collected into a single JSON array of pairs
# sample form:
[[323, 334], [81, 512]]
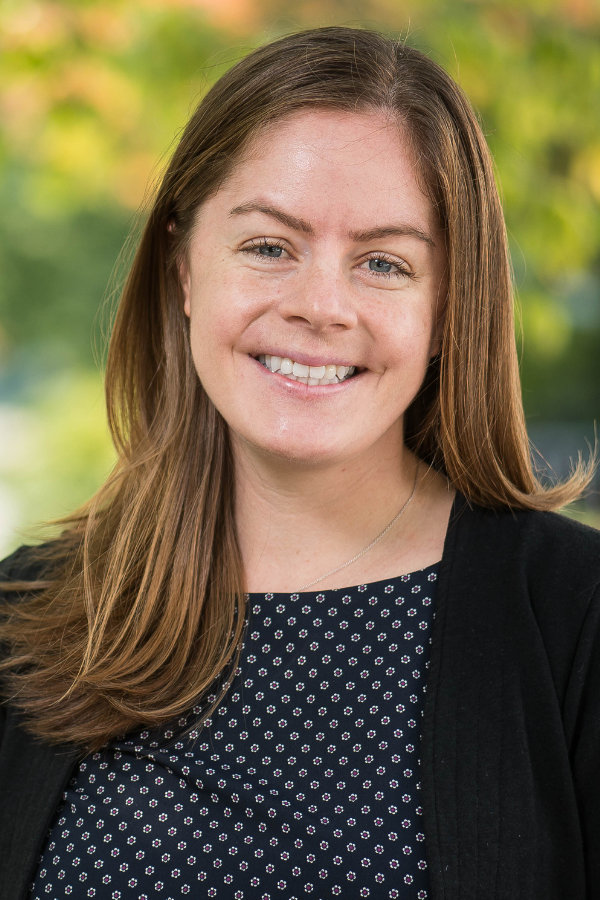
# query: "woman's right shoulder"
[[26, 563]]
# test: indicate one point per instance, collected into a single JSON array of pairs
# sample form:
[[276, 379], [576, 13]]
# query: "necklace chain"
[[372, 544]]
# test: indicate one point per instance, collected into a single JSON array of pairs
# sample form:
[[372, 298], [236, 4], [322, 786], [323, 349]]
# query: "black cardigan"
[[510, 748]]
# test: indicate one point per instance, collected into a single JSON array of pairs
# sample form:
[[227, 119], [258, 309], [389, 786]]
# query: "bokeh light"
[[92, 98]]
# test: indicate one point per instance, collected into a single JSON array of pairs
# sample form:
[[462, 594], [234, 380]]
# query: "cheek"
[[213, 312], [404, 337], [221, 319], [211, 335], [229, 312]]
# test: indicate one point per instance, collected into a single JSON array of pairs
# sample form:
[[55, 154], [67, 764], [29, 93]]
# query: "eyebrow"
[[374, 234], [358, 237], [285, 218]]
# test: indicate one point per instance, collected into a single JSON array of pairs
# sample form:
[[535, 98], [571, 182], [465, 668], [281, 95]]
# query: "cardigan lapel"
[[499, 807]]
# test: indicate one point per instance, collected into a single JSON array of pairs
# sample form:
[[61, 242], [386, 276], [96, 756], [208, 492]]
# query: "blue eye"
[[380, 265], [270, 250]]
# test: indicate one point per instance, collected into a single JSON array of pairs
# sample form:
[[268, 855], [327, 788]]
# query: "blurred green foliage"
[[92, 98], [57, 454]]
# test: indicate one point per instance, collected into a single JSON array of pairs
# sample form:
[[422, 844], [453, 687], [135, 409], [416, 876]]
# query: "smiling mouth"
[[311, 375]]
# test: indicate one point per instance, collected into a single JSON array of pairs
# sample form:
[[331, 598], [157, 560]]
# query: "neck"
[[297, 521]]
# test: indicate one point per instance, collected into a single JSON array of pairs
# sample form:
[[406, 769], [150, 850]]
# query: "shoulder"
[[557, 533], [545, 547], [518, 578], [28, 563], [26, 569], [22, 575], [22, 565], [527, 569], [32, 562]]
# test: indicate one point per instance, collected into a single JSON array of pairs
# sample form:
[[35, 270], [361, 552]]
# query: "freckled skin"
[[341, 173]]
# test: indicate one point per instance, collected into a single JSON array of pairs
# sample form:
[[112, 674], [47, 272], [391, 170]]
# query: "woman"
[[318, 634]]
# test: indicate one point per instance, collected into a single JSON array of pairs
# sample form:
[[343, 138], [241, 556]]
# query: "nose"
[[320, 299]]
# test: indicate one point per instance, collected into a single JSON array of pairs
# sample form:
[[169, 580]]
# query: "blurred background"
[[92, 98]]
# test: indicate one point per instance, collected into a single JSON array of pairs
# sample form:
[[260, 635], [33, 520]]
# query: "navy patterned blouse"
[[305, 783]]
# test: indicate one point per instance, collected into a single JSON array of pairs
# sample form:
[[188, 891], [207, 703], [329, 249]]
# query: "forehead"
[[333, 167]]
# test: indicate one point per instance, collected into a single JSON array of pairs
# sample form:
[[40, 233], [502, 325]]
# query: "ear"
[[185, 280]]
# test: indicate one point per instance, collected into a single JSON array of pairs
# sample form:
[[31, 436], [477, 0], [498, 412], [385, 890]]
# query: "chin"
[[303, 450]]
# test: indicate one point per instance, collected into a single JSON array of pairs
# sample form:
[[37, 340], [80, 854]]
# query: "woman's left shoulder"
[[547, 550], [538, 569], [560, 552], [558, 533]]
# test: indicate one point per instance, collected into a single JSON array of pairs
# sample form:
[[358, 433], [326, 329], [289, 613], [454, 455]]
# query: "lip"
[[297, 387], [306, 360]]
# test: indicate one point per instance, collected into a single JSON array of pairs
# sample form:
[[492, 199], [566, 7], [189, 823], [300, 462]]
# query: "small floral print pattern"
[[304, 782]]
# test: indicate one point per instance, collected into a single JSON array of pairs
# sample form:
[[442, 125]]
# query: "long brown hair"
[[142, 603]]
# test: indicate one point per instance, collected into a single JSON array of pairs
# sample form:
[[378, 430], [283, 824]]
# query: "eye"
[[265, 248], [382, 266], [270, 250]]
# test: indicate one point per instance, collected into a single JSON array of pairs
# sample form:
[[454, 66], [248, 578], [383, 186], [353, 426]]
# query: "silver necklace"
[[372, 544]]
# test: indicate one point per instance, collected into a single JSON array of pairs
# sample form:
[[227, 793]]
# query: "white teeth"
[[311, 375]]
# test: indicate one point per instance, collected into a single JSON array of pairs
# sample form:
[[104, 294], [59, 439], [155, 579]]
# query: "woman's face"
[[320, 249]]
